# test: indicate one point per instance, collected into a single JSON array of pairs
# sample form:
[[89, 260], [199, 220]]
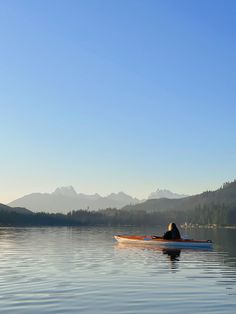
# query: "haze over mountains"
[[65, 199], [211, 207], [165, 194], [19, 210], [225, 196]]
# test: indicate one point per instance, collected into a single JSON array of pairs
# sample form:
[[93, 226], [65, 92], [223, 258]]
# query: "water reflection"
[[60, 270], [172, 254]]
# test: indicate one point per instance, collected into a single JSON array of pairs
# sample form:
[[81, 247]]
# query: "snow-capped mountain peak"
[[65, 191], [164, 193]]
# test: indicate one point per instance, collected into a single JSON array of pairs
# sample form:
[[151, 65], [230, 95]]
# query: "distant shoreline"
[[183, 226], [208, 226]]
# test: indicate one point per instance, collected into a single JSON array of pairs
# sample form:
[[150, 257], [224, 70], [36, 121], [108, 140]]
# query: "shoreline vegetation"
[[118, 217]]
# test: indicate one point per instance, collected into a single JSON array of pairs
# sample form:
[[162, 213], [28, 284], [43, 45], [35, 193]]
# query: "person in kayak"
[[172, 233]]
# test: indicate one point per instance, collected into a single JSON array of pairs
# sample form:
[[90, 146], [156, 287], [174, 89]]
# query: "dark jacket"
[[172, 234]]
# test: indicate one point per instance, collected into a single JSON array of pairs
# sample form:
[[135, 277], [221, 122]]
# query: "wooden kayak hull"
[[151, 240]]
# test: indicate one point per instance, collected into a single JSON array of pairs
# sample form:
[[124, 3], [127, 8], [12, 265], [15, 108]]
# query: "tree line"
[[206, 214]]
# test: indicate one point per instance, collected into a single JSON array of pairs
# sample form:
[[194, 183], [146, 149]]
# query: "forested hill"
[[19, 210], [224, 196]]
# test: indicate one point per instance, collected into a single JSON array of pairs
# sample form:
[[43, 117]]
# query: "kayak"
[[153, 240]]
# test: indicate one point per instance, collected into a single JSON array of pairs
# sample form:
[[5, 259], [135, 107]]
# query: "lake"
[[84, 270]]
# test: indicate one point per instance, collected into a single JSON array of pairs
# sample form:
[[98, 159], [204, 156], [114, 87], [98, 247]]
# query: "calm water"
[[83, 270]]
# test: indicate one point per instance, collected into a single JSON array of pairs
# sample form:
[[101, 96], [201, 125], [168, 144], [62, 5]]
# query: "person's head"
[[171, 226]]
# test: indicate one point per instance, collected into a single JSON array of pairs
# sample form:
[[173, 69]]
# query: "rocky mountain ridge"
[[65, 199]]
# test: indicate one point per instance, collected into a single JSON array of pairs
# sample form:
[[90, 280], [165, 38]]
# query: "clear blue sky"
[[117, 95]]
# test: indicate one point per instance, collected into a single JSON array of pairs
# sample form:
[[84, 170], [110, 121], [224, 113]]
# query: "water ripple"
[[71, 270]]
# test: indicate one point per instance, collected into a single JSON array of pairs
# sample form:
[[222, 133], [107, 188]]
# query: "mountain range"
[[224, 196], [65, 199], [211, 207]]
